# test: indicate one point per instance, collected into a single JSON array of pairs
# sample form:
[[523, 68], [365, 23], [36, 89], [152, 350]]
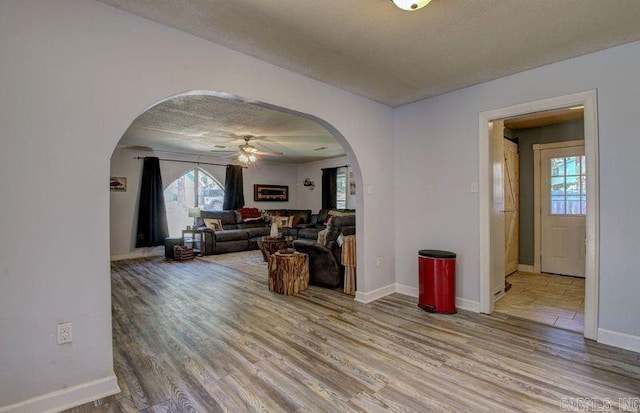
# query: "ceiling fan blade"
[[269, 153]]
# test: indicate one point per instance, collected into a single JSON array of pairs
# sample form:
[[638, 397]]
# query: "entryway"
[[561, 299]]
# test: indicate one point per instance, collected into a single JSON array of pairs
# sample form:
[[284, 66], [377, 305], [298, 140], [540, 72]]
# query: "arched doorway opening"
[[208, 162]]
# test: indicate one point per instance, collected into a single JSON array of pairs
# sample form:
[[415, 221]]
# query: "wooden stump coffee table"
[[288, 272], [270, 245]]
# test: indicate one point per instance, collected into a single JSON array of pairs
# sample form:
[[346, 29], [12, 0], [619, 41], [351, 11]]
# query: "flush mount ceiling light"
[[411, 5]]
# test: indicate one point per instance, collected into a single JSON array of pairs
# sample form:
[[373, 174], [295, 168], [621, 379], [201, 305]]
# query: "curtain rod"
[[198, 163], [336, 167]]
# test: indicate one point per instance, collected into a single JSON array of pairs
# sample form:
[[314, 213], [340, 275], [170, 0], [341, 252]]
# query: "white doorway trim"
[[589, 100], [537, 196]]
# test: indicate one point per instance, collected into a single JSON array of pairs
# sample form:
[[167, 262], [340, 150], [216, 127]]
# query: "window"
[[568, 186], [195, 188], [341, 188]]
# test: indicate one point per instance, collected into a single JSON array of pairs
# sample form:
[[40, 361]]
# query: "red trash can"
[[437, 281]]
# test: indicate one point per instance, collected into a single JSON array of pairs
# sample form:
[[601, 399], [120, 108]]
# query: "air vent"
[[322, 148]]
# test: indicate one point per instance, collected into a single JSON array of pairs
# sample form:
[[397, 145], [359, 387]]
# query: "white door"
[[563, 209]]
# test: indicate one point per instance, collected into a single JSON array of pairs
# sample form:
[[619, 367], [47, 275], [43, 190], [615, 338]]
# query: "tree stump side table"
[[288, 272], [268, 245]]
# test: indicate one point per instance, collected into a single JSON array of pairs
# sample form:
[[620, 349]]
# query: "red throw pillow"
[[249, 213]]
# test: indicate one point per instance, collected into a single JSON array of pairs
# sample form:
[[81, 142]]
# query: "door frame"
[[537, 196], [588, 99]]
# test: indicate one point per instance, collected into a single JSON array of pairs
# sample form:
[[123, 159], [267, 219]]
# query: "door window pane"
[[557, 166], [572, 165], [568, 186]]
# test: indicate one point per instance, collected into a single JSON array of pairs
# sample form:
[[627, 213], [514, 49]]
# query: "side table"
[[270, 245], [288, 272], [189, 236]]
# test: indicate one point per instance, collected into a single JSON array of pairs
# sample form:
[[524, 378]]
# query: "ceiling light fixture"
[[411, 5]]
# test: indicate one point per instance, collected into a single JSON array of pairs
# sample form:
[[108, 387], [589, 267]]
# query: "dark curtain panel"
[[152, 215], [233, 188], [329, 188]]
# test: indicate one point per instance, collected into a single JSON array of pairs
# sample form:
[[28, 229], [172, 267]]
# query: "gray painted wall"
[[527, 138]]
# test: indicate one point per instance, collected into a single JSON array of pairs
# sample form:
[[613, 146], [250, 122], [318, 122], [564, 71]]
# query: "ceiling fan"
[[247, 153]]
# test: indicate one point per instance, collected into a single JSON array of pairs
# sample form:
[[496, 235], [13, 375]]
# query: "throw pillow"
[[281, 221], [213, 223], [249, 214]]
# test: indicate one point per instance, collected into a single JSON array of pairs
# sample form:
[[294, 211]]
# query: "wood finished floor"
[[198, 336], [556, 300]]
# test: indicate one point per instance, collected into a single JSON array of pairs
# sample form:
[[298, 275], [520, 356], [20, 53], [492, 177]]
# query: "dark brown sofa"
[[325, 266], [236, 235]]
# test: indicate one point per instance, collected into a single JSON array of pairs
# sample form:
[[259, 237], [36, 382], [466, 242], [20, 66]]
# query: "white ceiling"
[[374, 49], [214, 126], [369, 47]]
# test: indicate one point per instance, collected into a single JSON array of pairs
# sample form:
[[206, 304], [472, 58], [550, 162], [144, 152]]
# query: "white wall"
[[124, 205], [75, 74], [436, 161], [312, 199]]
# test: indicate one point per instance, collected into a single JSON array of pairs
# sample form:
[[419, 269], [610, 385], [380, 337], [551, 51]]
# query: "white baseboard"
[[139, 253], [525, 268], [469, 305], [620, 340], [407, 290], [375, 294], [67, 398], [461, 303]]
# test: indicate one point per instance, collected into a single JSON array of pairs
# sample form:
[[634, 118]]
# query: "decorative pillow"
[[250, 214], [213, 223], [282, 221]]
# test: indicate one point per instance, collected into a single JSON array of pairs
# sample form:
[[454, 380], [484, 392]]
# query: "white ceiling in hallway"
[[374, 49]]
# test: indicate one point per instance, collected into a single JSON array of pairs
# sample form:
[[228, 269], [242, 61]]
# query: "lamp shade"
[[411, 5], [194, 212]]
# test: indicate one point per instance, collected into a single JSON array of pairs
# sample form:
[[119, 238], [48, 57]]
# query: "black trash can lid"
[[436, 254]]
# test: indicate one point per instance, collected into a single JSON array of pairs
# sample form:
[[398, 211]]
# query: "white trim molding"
[[525, 268], [589, 100], [375, 294], [620, 340], [461, 303], [66, 398]]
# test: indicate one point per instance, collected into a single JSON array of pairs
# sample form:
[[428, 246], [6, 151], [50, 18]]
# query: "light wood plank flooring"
[[199, 336], [551, 299]]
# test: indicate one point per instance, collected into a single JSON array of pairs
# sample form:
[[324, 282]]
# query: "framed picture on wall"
[[264, 192]]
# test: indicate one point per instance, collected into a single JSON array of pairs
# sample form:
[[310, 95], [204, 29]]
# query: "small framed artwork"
[[118, 184], [277, 193]]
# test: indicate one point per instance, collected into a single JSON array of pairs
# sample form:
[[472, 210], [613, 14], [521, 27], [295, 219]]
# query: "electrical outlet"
[[65, 333]]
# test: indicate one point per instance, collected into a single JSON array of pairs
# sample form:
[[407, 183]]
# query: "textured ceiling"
[[214, 126], [374, 49]]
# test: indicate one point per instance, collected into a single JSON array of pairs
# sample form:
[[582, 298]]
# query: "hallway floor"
[[556, 300]]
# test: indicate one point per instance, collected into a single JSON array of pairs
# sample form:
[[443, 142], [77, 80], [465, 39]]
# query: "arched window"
[[196, 188]]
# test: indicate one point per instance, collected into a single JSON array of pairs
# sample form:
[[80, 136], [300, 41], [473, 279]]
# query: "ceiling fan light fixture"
[[252, 158], [243, 158], [411, 5]]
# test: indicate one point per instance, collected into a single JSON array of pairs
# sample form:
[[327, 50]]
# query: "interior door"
[[563, 210], [496, 134], [511, 206]]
